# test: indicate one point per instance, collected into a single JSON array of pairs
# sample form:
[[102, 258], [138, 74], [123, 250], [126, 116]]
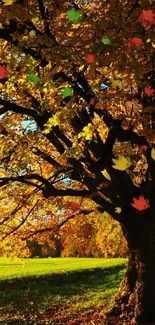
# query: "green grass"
[[30, 288], [18, 268]]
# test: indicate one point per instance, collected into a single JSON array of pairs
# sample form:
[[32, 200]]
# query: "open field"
[[58, 290]]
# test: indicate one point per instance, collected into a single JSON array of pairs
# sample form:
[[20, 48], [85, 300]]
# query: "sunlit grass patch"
[[60, 287]]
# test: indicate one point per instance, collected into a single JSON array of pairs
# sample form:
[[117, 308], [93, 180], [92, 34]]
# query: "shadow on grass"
[[33, 291]]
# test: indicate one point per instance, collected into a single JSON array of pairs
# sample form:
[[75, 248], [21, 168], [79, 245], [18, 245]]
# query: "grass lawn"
[[58, 290]]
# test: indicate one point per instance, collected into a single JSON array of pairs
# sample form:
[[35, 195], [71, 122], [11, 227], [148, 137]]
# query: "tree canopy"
[[77, 85]]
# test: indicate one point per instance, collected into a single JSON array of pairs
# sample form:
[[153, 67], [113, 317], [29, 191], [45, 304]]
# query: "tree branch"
[[72, 216], [10, 106], [6, 35], [22, 222], [48, 189]]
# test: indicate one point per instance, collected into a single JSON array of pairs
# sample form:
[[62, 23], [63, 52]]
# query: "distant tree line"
[[82, 238]]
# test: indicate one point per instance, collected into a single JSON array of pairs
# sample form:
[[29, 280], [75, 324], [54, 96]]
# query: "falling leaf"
[[141, 203], [32, 33], [89, 58], [118, 210], [122, 163], [73, 205], [74, 15], [116, 84], [106, 41], [144, 148], [149, 91], [32, 77], [135, 41], [147, 17], [50, 213], [105, 174], [8, 2], [35, 20], [3, 72], [153, 153], [66, 91]]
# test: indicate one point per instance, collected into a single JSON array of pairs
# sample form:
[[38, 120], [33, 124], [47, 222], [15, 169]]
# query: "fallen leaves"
[[122, 163], [141, 203]]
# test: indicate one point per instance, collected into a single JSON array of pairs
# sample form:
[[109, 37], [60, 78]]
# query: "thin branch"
[[6, 35], [23, 221], [72, 216]]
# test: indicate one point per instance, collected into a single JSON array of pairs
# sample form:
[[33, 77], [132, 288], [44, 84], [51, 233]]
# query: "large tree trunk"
[[136, 296]]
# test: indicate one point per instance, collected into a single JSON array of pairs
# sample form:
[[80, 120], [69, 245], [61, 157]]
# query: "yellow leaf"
[[122, 163], [153, 153], [118, 210], [87, 132], [32, 33], [105, 174], [81, 67], [116, 83], [8, 2], [35, 20]]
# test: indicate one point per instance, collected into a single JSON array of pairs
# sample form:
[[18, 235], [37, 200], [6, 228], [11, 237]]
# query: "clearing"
[[58, 291]]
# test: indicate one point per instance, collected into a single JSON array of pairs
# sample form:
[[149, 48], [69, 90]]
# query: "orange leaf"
[[141, 203], [73, 205], [147, 17], [89, 58], [135, 41], [3, 72], [149, 91]]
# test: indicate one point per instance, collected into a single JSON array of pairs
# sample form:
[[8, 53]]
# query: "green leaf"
[[74, 15], [66, 91], [106, 41], [32, 77]]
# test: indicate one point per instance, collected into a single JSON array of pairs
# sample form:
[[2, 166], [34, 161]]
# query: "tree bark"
[[136, 296]]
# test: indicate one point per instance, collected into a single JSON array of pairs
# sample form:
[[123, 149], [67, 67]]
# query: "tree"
[[78, 236], [110, 239], [77, 125]]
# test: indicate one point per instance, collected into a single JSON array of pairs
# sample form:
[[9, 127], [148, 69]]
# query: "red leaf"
[[141, 203], [149, 91], [147, 17], [144, 148], [135, 41], [50, 213], [73, 205], [89, 58], [3, 72]]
